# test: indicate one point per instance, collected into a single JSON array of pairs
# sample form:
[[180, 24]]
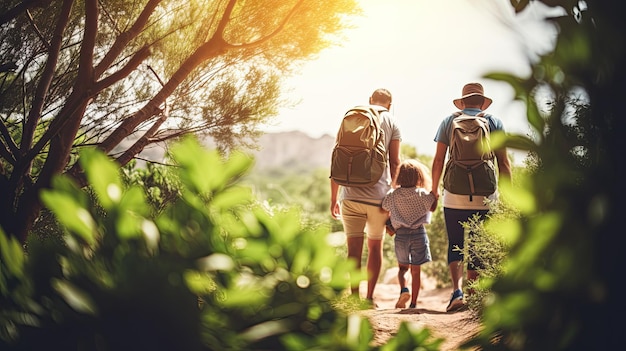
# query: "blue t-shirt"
[[462, 202], [443, 133]]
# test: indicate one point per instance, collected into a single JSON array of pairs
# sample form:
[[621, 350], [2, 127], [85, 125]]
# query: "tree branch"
[[6, 154], [134, 62], [47, 75], [85, 62], [272, 34], [212, 48], [21, 7], [36, 29], [141, 143], [62, 131], [8, 139], [123, 39]]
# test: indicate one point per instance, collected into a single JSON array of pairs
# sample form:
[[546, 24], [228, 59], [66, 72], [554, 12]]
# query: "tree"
[[105, 72]]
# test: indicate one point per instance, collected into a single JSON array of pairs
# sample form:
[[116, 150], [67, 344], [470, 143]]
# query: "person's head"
[[472, 96], [413, 173], [381, 97]]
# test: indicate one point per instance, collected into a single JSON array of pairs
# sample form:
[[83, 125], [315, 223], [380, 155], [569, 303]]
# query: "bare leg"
[[416, 282], [472, 275], [374, 263], [456, 273], [402, 269], [355, 252], [404, 292]]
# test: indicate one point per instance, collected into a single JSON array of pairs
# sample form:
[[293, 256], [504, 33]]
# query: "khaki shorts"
[[359, 218]]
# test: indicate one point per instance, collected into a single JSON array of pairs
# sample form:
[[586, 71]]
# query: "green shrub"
[[214, 270], [491, 246], [438, 267]]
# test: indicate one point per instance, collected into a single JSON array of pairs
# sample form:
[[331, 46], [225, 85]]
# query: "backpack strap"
[[479, 114]]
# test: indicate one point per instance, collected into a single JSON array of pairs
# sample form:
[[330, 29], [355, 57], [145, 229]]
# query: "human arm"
[[504, 164], [385, 204], [437, 170], [433, 203], [394, 160], [335, 210]]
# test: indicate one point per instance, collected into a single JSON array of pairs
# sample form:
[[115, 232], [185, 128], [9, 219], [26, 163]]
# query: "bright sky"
[[423, 51]]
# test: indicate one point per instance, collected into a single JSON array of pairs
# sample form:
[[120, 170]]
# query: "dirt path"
[[455, 328]]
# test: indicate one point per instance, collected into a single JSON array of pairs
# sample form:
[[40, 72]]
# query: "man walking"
[[360, 207]]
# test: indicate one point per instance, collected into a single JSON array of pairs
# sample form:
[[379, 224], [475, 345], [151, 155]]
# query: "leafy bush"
[[491, 246], [438, 267], [214, 270], [559, 290]]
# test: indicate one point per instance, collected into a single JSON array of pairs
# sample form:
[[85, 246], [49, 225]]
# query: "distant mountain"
[[295, 150]]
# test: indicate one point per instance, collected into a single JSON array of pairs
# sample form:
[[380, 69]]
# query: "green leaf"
[[66, 185], [200, 168], [509, 229], [521, 198], [128, 225], [520, 142], [12, 255], [255, 250], [75, 297], [517, 83], [542, 231], [71, 214], [237, 164], [134, 199], [534, 116], [132, 209], [301, 260], [200, 283], [245, 296], [103, 175], [359, 332], [231, 197]]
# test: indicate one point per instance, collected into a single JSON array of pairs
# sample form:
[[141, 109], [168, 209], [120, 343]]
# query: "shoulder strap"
[[480, 114]]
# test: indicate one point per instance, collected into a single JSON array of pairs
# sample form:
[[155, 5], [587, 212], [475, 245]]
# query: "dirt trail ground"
[[455, 328]]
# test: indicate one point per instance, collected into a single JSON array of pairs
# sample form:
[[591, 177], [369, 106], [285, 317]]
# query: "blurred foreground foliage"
[[213, 270], [559, 288]]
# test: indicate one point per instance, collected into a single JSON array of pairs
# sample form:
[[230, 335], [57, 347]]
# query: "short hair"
[[413, 173], [382, 96]]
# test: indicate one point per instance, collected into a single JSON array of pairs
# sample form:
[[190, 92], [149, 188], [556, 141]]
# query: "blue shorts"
[[412, 247]]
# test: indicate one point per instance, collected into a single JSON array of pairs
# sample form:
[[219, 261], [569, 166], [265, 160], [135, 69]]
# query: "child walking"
[[410, 206]]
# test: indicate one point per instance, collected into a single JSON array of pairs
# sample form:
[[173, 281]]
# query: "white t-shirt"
[[462, 202]]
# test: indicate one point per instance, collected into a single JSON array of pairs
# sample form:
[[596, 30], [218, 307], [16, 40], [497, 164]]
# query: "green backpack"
[[359, 156], [470, 169]]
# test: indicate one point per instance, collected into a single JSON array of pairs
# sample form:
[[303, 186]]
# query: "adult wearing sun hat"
[[459, 208], [469, 90]]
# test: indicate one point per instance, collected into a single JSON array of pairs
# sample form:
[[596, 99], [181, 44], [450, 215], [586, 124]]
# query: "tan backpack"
[[359, 157], [470, 169]]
